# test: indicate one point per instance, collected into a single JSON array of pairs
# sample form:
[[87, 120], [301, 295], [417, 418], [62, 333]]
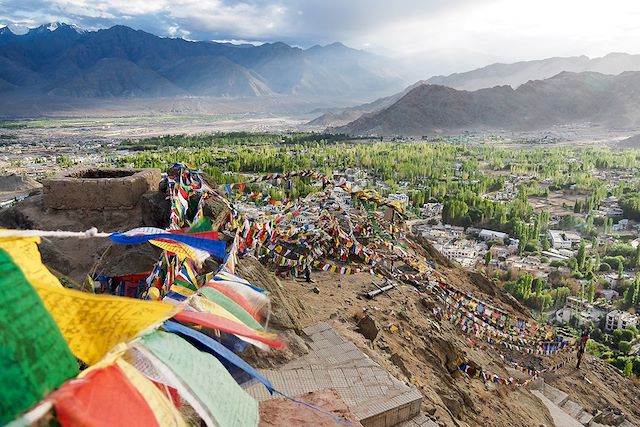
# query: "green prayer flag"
[[231, 306], [204, 375], [34, 356], [204, 224]]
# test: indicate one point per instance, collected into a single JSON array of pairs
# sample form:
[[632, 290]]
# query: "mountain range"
[[565, 98], [493, 75], [63, 60]]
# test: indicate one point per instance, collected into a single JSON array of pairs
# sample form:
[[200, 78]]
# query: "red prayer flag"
[[102, 398], [212, 321]]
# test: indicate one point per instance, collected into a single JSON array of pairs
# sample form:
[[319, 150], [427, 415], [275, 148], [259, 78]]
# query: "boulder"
[[155, 209], [368, 327]]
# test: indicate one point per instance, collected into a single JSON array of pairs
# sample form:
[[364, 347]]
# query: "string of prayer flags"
[[232, 307], [226, 356], [250, 308], [204, 305], [34, 357], [219, 323], [257, 300], [223, 275], [216, 248], [23, 251], [231, 259], [209, 388]]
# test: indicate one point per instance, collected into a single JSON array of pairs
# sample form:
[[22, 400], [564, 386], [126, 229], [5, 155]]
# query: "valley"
[[219, 214]]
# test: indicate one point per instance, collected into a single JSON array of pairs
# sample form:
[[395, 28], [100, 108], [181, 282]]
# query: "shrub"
[[624, 347]]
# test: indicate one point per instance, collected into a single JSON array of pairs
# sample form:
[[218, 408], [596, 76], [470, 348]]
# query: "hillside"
[[413, 332], [565, 98], [63, 60]]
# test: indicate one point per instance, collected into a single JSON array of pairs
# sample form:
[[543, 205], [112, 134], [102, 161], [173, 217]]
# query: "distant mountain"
[[493, 75], [63, 60], [564, 98], [342, 116], [521, 72]]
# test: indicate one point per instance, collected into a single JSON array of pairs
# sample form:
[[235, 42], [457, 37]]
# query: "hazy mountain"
[[64, 60], [521, 72], [564, 98], [342, 116], [493, 75]]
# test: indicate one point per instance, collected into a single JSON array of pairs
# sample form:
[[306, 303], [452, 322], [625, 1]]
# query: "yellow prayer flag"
[[91, 324], [24, 251], [166, 414]]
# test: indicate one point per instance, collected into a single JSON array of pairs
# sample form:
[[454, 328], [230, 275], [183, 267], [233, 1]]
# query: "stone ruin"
[[97, 189]]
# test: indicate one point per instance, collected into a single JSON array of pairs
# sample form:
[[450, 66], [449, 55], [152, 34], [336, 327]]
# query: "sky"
[[431, 36]]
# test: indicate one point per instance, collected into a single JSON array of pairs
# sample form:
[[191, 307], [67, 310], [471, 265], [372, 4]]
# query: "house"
[[583, 310], [400, 197], [492, 235], [563, 239], [554, 255], [430, 210], [621, 225], [573, 237], [618, 319], [610, 294]]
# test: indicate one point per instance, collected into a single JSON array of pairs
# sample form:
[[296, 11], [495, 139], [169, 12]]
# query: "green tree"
[[624, 347], [628, 368], [591, 291], [538, 284], [620, 271], [487, 258], [627, 335], [580, 257]]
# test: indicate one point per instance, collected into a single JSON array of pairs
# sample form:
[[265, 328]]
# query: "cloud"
[[433, 36]]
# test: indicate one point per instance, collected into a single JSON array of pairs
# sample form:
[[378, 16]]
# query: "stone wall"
[[98, 189]]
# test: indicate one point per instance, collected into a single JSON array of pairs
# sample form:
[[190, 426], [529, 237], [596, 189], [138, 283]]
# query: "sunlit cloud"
[[434, 36]]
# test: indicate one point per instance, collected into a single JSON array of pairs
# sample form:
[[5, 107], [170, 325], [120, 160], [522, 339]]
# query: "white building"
[[583, 310], [430, 210], [618, 319], [400, 197], [457, 251], [492, 235], [563, 239], [610, 294], [621, 225]]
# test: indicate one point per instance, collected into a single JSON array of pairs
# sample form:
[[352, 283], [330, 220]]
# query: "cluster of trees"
[[429, 171], [592, 201], [531, 291]]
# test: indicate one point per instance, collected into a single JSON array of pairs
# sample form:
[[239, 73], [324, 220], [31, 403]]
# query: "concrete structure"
[[400, 197], [96, 189], [621, 225], [492, 235], [431, 210], [618, 319], [375, 397], [610, 294], [554, 255], [563, 239], [582, 310], [564, 411]]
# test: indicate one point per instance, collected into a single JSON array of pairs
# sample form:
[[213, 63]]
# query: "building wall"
[[75, 191]]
